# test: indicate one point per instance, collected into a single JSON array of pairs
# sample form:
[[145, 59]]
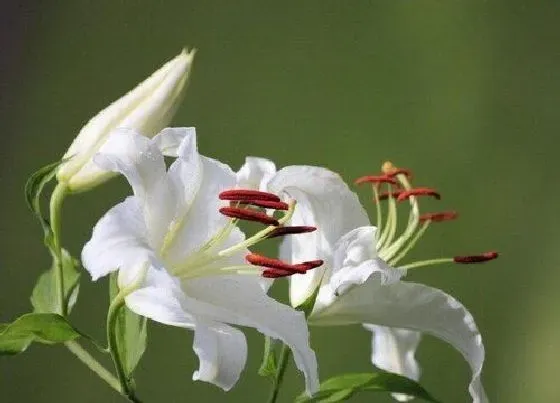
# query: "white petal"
[[255, 173], [119, 239], [393, 350], [140, 161], [222, 352], [414, 307], [240, 300], [200, 220], [170, 139], [159, 298], [323, 201]]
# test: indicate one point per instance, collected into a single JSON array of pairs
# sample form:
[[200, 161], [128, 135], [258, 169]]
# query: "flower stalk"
[[279, 375], [56, 201]]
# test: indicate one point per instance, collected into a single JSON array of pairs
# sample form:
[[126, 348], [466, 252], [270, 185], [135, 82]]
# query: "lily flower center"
[[392, 246], [247, 205]]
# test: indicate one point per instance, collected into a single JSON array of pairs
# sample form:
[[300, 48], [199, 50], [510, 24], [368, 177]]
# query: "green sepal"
[[269, 363], [46, 328], [342, 387], [131, 331], [43, 297], [33, 189]]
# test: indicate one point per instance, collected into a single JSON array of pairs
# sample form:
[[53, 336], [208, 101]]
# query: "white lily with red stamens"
[[358, 282], [188, 258]]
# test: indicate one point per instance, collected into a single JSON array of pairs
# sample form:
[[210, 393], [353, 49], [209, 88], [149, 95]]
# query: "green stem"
[[93, 364], [112, 317], [57, 198], [280, 371]]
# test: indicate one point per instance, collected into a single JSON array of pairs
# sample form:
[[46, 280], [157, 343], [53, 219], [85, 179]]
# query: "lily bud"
[[146, 109]]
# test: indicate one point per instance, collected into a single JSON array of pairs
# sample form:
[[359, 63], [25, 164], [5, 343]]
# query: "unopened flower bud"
[[146, 109]]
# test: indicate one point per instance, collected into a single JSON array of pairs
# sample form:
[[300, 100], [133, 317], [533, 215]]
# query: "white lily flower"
[[147, 109], [191, 257], [356, 284]]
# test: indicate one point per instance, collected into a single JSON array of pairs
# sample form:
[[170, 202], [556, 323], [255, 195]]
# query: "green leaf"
[[307, 306], [46, 328], [44, 298], [342, 387], [268, 366], [131, 330], [33, 188]]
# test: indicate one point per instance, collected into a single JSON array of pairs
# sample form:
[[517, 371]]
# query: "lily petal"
[[141, 162], [240, 300], [159, 298], [204, 219], [170, 139], [323, 201], [222, 352], [393, 350], [119, 239], [414, 307], [255, 173]]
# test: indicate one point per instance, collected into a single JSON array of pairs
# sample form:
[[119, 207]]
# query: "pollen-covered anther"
[[405, 194], [438, 217], [276, 205], [376, 179], [247, 195], [249, 215], [483, 257], [298, 229]]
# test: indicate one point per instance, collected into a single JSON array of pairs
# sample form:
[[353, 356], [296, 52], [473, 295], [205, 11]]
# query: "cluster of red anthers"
[[390, 177], [248, 205]]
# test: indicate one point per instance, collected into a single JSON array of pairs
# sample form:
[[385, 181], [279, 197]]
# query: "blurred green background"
[[465, 93]]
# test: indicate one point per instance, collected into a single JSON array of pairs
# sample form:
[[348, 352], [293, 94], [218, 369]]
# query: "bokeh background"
[[464, 92]]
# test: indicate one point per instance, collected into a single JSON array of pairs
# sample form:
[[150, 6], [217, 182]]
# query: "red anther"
[[276, 273], [399, 171], [305, 266], [375, 179], [484, 257], [299, 229], [249, 215], [260, 260], [310, 264], [438, 217], [405, 194], [385, 195], [267, 204], [247, 195]]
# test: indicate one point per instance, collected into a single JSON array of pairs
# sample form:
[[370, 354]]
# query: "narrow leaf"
[[43, 297], [342, 387], [46, 328], [131, 333], [33, 188], [268, 365]]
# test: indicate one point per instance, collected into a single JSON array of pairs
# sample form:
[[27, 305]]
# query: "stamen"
[[377, 179], [418, 192], [439, 217], [247, 195], [249, 215], [386, 195], [267, 204], [260, 260], [483, 257], [281, 231], [277, 273]]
